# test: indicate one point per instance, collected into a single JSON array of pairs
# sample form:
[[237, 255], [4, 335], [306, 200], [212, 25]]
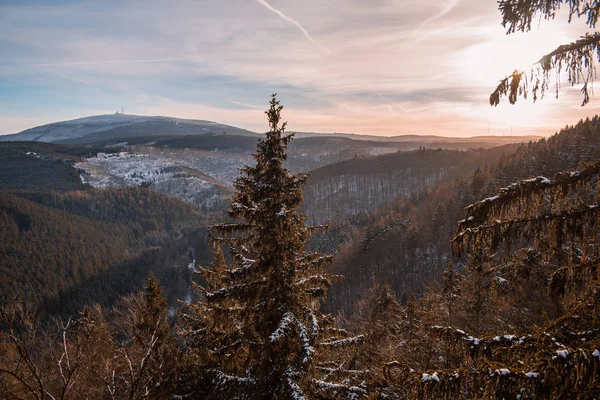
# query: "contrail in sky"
[[292, 21], [417, 33], [450, 4], [239, 103]]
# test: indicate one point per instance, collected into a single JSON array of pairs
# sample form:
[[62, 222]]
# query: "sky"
[[382, 67]]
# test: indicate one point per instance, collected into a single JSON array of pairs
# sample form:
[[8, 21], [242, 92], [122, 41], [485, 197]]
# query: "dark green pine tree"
[[258, 321]]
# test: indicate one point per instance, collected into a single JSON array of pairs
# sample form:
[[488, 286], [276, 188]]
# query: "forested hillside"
[[504, 301], [407, 243], [40, 166], [64, 245], [517, 318], [362, 184], [163, 258], [306, 153], [61, 250]]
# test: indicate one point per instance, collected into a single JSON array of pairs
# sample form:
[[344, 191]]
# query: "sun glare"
[[484, 64], [487, 62]]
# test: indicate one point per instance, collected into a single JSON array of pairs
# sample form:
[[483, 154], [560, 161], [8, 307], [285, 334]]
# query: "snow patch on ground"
[[188, 178]]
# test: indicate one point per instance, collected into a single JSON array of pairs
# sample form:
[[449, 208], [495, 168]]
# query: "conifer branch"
[[519, 14], [577, 59]]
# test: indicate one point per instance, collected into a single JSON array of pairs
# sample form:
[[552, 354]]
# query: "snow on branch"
[[337, 388], [284, 326], [517, 190], [282, 212], [488, 373], [315, 325], [239, 208], [586, 335], [314, 261], [517, 224], [430, 377], [317, 279], [493, 221], [339, 369], [306, 347], [510, 339], [511, 192], [245, 267], [223, 379], [343, 342], [297, 393], [233, 290], [226, 310], [457, 334]]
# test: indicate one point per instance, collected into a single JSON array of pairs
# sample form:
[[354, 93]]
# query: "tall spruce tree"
[[258, 322]]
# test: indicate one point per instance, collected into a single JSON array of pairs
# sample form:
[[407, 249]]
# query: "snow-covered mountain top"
[[81, 127]]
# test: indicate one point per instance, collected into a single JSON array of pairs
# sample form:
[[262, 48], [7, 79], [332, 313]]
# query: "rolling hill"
[[101, 130], [96, 128]]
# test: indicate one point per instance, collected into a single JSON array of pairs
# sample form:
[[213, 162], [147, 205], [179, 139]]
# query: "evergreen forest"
[[502, 304], [144, 260]]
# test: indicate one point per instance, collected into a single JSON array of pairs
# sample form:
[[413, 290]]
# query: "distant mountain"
[[497, 140], [430, 140], [101, 130], [103, 127]]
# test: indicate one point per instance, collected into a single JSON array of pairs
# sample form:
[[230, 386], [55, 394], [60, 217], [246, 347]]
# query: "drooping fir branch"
[[494, 233], [539, 364], [560, 217], [576, 59], [525, 208], [340, 390], [518, 14], [559, 375]]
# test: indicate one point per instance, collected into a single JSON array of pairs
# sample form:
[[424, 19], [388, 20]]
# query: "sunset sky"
[[385, 67]]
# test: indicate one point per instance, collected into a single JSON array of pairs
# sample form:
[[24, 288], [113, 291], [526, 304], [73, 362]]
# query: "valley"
[[197, 161], [101, 216], [314, 200], [350, 179]]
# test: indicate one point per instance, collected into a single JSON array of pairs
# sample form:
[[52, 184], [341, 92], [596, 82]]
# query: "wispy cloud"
[[106, 62], [294, 22], [246, 105], [420, 31], [434, 63], [448, 6]]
